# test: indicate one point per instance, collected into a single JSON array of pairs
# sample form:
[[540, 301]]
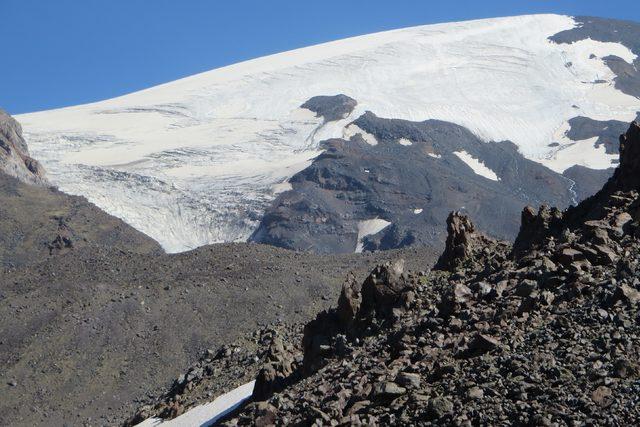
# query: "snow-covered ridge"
[[198, 160]]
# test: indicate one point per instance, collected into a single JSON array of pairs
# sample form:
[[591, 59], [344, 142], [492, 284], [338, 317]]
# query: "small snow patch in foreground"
[[405, 142], [417, 211], [478, 166], [207, 414]]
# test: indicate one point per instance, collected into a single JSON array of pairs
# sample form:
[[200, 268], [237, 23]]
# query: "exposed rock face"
[[354, 181], [14, 153], [381, 298], [535, 227], [331, 108], [277, 373], [547, 336], [626, 176], [460, 241], [464, 244]]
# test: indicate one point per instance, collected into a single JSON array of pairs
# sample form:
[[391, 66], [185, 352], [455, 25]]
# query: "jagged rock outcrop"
[[14, 153], [535, 227], [277, 372], [383, 296], [547, 334], [464, 244], [626, 176]]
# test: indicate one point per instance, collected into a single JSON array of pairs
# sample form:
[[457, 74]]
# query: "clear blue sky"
[[64, 52]]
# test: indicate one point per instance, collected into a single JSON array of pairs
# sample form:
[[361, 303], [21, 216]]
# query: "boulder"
[[384, 289]]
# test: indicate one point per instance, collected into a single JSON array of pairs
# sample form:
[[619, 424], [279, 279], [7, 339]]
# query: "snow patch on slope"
[[281, 187], [353, 130], [583, 153], [207, 414], [478, 166], [369, 227]]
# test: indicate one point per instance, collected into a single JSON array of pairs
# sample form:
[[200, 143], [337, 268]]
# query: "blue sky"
[[67, 52]]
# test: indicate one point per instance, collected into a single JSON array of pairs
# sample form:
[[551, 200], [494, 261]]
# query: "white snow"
[[405, 142], [478, 166], [195, 161], [281, 187], [435, 156], [353, 130], [417, 211], [207, 414], [369, 227], [583, 153]]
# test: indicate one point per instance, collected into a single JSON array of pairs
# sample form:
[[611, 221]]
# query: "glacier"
[[198, 160]]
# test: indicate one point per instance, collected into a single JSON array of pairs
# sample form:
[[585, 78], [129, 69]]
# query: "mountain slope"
[[95, 316], [39, 222], [544, 332], [201, 159], [89, 333]]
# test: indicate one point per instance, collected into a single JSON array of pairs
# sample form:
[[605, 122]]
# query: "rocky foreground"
[[542, 332], [96, 319]]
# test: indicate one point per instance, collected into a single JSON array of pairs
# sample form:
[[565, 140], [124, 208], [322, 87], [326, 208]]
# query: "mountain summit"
[[359, 144]]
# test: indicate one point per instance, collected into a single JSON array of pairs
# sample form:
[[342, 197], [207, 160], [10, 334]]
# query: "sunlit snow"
[[369, 227], [478, 166], [207, 414], [353, 130], [198, 160]]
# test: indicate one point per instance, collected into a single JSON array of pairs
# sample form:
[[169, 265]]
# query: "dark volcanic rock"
[[548, 337], [587, 181], [331, 108], [277, 372], [462, 242], [607, 132], [353, 181], [535, 227]]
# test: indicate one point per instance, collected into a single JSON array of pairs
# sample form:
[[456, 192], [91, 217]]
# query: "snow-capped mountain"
[[200, 160]]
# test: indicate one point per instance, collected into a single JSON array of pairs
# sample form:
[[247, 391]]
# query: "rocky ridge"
[[14, 153], [355, 181], [544, 332]]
